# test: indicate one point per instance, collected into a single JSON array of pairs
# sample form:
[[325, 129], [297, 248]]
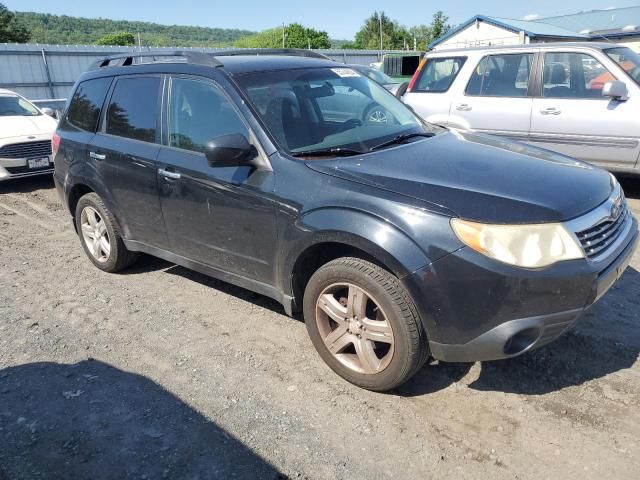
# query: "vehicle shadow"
[[605, 340], [148, 263], [27, 185], [93, 421]]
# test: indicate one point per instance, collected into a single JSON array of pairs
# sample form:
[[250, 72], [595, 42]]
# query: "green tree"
[[422, 36], [61, 29], [439, 25], [119, 38], [295, 36], [394, 35], [10, 30]]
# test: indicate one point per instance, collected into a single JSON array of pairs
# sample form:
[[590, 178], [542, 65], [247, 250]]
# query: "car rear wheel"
[[99, 235], [363, 324]]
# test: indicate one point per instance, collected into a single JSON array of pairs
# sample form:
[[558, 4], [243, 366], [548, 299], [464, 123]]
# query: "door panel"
[[125, 150], [572, 116], [218, 215], [496, 98], [507, 117], [129, 169], [223, 217]]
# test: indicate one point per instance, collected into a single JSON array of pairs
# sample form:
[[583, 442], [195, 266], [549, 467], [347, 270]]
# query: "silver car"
[[580, 99]]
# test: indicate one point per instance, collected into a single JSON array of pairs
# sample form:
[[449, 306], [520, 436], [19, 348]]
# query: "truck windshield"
[[12, 105], [329, 109], [628, 60]]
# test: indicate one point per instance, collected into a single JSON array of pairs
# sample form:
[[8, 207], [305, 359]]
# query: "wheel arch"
[[331, 233], [77, 187]]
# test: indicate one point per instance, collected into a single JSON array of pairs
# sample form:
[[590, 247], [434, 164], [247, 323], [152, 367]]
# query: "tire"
[[91, 210], [378, 353], [375, 115]]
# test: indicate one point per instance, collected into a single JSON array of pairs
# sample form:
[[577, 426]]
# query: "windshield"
[[322, 109], [628, 60], [13, 105], [377, 76]]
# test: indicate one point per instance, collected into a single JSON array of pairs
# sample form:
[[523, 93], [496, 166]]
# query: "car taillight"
[[416, 74], [55, 144]]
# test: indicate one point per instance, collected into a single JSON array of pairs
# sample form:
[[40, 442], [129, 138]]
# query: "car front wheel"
[[363, 324]]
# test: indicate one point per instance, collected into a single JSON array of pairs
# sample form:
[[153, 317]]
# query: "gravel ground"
[[161, 372]]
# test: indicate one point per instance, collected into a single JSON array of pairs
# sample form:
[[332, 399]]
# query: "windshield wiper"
[[400, 139], [328, 152]]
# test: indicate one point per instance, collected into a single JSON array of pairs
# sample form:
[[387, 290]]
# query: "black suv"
[[302, 180]]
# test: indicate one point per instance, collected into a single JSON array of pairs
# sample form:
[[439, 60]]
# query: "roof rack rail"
[[141, 58], [294, 52]]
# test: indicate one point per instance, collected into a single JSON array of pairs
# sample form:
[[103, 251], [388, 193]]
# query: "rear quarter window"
[[438, 74], [86, 103]]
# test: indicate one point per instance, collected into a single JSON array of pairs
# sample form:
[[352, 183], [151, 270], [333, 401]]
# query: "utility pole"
[[380, 19], [283, 34], [139, 43]]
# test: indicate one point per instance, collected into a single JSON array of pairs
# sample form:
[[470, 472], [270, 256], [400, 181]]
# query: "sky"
[[340, 18]]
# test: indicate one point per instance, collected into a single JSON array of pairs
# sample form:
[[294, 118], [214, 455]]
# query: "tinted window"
[[501, 76], [438, 74], [574, 75], [133, 108], [198, 113], [84, 109]]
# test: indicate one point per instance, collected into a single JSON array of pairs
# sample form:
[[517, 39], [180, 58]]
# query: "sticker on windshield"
[[345, 72]]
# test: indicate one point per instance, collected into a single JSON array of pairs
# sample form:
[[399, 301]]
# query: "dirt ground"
[[164, 373]]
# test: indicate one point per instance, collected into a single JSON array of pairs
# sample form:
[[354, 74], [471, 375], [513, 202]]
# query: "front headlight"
[[528, 246]]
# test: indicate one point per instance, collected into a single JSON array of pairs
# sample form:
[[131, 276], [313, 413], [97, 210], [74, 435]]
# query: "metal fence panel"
[[49, 71]]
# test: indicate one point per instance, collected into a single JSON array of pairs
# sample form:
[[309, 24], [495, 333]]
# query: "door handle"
[[550, 111], [97, 156], [168, 174], [464, 107]]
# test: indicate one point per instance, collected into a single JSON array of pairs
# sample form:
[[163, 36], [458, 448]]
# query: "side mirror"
[[48, 111], [615, 90], [230, 151], [402, 89]]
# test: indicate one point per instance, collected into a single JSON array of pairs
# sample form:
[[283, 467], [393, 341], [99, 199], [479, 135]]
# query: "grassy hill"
[[56, 29]]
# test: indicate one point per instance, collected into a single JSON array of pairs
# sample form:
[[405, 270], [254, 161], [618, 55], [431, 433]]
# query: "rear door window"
[[133, 108], [438, 74], [85, 106], [501, 76]]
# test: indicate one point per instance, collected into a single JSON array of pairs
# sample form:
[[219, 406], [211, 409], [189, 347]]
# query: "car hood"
[[18, 126], [481, 178]]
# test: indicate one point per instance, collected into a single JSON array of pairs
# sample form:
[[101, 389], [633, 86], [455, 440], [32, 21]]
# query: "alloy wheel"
[[354, 328], [377, 116], [94, 234]]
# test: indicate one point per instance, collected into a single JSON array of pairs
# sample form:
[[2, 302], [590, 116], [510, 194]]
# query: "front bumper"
[[18, 168], [474, 308]]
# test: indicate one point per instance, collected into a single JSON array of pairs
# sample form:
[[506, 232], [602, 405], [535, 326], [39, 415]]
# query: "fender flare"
[[355, 228], [80, 177]]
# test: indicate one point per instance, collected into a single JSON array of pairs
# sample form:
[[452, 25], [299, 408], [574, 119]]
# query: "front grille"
[[26, 150], [596, 239]]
